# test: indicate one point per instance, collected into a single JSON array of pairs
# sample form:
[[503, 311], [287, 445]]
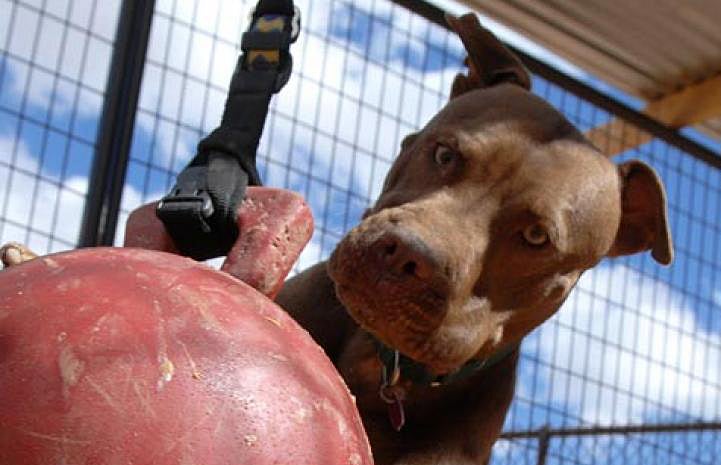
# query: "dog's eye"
[[444, 156], [535, 234]]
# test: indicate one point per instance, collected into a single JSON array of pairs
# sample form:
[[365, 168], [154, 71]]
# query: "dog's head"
[[488, 217]]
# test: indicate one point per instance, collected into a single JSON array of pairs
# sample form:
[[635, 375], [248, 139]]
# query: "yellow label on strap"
[[267, 25]]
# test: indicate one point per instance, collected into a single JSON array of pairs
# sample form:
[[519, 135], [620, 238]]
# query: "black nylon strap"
[[200, 211]]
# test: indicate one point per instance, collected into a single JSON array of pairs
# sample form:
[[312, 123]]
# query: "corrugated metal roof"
[[647, 48]]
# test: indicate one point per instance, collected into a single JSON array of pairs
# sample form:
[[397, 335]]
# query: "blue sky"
[[635, 342]]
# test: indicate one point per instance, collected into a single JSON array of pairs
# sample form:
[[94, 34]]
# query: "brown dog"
[[486, 221]]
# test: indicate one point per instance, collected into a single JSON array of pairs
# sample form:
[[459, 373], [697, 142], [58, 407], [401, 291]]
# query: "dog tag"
[[395, 413]]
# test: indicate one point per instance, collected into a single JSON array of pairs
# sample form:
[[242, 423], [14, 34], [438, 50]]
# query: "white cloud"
[[176, 91], [625, 364], [716, 296], [633, 350], [173, 96], [131, 200], [48, 42], [329, 79], [48, 206], [51, 207], [311, 255]]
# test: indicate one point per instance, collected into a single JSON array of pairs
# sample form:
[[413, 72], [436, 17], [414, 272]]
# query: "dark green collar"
[[395, 364]]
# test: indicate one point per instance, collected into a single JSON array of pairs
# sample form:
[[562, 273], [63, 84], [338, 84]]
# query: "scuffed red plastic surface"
[[274, 226], [129, 356]]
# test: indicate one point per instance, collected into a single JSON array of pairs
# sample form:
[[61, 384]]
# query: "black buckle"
[[198, 206]]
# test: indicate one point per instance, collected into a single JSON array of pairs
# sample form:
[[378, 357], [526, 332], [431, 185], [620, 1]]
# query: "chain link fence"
[[627, 372], [54, 61]]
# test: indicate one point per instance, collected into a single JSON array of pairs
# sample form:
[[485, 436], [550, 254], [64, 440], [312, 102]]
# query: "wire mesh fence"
[[635, 344], [54, 59]]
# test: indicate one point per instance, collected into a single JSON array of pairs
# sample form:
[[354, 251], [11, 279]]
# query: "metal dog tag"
[[396, 414]]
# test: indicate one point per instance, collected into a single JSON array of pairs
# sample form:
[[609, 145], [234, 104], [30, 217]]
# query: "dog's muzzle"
[[395, 256]]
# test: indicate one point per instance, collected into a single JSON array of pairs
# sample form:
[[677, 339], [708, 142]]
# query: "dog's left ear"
[[489, 61], [644, 222]]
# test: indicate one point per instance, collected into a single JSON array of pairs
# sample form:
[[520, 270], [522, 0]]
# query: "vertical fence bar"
[[544, 438], [107, 177]]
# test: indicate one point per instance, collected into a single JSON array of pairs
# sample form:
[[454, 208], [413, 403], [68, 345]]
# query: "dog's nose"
[[405, 255]]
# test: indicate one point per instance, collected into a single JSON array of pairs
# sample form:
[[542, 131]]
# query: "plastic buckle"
[[196, 205]]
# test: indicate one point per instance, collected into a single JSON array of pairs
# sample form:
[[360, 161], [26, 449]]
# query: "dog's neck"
[[396, 365]]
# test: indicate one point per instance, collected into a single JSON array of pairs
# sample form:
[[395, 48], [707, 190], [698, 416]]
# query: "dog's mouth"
[[393, 286], [384, 302]]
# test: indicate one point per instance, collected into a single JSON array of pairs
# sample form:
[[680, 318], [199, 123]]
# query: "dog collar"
[[396, 364]]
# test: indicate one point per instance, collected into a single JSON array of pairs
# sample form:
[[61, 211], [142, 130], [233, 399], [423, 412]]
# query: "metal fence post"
[[112, 150], [544, 437]]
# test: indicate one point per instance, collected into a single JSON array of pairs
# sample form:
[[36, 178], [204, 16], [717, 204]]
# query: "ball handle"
[[275, 225]]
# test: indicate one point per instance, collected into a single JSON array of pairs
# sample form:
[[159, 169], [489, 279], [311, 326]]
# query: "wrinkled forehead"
[[507, 104], [565, 168]]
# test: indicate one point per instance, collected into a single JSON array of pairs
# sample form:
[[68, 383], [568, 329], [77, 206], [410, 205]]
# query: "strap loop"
[[255, 40]]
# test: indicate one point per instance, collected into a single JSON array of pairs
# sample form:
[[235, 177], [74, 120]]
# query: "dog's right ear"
[[644, 218], [489, 61]]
